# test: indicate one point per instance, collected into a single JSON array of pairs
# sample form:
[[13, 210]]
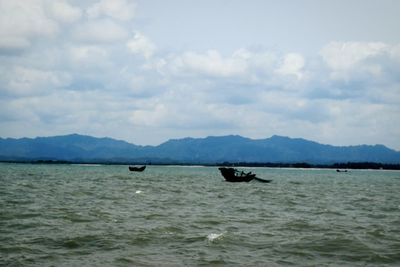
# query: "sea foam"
[[214, 237]]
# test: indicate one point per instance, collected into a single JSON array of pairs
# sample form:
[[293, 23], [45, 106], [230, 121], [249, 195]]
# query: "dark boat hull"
[[137, 169], [232, 175]]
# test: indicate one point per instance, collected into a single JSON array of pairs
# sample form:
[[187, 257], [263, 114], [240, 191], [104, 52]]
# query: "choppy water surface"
[[71, 215]]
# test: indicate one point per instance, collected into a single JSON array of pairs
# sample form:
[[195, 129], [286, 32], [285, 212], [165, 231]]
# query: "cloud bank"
[[88, 67]]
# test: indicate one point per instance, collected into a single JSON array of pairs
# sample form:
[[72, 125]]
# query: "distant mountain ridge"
[[212, 149]]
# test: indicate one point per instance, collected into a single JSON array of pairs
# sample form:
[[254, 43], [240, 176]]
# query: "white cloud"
[[116, 9], [14, 43], [87, 54], [210, 63], [28, 81], [242, 64], [62, 11], [356, 70], [349, 58], [100, 31], [168, 111], [395, 52], [140, 44], [344, 56], [258, 61], [292, 64], [20, 21], [79, 68]]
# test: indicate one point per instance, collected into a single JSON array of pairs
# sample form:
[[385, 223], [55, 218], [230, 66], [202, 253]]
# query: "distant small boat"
[[341, 170], [137, 169], [233, 175]]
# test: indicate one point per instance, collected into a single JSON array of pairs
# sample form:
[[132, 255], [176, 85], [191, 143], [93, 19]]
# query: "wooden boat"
[[137, 169], [233, 175]]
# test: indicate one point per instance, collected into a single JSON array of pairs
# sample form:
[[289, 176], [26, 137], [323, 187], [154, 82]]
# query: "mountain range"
[[209, 150]]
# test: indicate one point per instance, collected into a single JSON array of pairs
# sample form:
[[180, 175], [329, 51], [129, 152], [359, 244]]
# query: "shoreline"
[[296, 165]]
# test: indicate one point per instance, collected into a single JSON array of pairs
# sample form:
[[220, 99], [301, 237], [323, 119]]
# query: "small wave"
[[119, 177], [78, 217], [86, 243], [139, 191], [215, 237]]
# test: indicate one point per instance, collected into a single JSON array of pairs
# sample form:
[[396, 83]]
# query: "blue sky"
[[146, 71]]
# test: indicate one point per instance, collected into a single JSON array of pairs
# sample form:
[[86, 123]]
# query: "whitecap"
[[214, 237], [138, 191]]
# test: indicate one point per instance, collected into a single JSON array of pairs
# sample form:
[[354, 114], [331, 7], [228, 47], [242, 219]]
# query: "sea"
[[105, 215]]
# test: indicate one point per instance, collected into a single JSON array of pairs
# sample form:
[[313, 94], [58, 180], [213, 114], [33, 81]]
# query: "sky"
[[146, 71]]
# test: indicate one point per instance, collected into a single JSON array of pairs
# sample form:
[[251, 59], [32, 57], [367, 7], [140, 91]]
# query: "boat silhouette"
[[234, 175], [137, 169]]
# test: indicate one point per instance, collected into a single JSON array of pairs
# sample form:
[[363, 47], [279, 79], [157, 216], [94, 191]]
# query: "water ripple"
[[62, 215]]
